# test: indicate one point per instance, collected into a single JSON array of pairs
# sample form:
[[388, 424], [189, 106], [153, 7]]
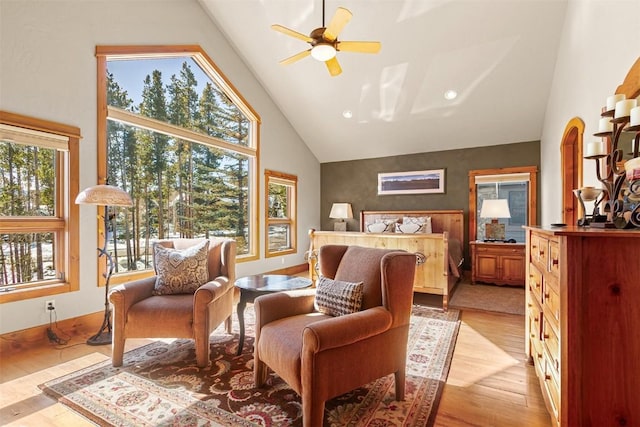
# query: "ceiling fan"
[[324, 41]]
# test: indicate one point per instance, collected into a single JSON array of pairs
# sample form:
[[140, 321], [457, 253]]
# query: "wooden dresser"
[[497, 262], [583, 323]]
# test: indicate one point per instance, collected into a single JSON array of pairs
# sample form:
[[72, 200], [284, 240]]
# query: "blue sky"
[[130, 75]]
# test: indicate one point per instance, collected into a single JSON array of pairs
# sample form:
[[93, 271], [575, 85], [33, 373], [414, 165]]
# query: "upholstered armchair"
[[322, 356], [167, 308]]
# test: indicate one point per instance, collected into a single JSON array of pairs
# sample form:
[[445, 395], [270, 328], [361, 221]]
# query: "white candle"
[[613, 99], [623, 108], [635, 116], [595, 149], [605, 125]]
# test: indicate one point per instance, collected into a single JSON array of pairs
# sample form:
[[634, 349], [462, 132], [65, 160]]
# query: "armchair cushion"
[[337, 298], [180, 271]]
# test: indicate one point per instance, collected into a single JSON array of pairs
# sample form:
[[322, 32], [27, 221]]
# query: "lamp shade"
[[104, 195], [341, 211], [495, 208]]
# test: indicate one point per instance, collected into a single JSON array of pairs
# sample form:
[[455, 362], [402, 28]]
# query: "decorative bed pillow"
[[414, 224], [337, 298], [180, 271], [384, 226]]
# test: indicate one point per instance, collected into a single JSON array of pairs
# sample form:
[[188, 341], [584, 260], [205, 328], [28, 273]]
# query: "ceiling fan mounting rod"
[[323, 13]]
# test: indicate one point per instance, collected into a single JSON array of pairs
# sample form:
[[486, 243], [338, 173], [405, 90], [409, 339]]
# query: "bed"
[[439, 252]]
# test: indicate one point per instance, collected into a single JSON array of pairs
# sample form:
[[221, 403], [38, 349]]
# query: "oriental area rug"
[[160, 385]]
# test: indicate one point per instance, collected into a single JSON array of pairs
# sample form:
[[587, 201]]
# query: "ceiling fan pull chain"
[[323, 14]]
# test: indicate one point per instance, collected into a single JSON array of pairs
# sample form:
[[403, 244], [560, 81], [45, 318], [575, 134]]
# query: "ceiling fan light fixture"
[[323, 52]]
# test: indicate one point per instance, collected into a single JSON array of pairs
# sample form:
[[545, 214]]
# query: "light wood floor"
[[489, 384]]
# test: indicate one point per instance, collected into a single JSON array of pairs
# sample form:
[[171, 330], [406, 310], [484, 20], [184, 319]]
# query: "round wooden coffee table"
[[260, 284]]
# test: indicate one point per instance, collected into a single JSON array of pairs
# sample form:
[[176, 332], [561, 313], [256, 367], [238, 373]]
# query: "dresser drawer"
[[554, 258], [534, 314], [551, 301], [552, 388], [551, 345], [534, 283]]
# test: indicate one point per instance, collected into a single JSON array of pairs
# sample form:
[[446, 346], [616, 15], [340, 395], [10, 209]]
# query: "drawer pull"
[[547, 377], [546, 295], [554, 261], [545, 336]]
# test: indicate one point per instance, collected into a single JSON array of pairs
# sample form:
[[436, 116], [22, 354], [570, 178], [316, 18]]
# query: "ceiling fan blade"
[[339, 20], [289, 32], [333, 66], [296, 57], [359, 47]]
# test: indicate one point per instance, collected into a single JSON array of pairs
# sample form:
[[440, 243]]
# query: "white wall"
[[600, 42], [48, 71]]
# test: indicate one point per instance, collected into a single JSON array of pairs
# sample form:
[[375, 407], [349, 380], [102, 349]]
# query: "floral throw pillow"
[[384, 226], [180, 271], [337, 298], [417, 224]]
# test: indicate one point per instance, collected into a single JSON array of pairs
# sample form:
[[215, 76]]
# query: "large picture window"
[[183, 143], [38, 224]]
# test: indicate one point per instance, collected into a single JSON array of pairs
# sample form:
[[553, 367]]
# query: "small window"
[[281, 192], [517, 186], [38, 225]]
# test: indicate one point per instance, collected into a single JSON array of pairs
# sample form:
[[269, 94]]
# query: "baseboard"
[[75, 328]]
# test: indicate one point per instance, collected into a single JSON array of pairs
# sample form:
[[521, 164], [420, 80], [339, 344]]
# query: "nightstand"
[[498, 263]]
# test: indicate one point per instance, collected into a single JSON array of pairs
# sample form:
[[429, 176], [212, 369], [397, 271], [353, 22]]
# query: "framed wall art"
[[413, 182]]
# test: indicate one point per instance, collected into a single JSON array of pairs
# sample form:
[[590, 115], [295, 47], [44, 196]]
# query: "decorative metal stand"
[[621, 198], [103, 336], [590, 195]]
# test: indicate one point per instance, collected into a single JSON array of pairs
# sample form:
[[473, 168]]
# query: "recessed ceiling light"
[[347, 114], [450, 94]]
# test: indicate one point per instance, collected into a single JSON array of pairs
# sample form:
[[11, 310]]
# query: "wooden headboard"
[[441, 220]]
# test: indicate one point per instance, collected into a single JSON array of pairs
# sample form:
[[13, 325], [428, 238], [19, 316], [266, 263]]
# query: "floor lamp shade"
[[104, 195]]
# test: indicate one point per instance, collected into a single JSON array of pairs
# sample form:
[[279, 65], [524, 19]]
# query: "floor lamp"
[[104, 195]]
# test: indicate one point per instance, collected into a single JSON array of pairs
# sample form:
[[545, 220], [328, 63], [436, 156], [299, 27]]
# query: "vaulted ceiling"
[[499, 57]]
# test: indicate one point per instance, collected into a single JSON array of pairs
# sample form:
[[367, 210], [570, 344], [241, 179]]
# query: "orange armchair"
[[137, 313], [322, 357]]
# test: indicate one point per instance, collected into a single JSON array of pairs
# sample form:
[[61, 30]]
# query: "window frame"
[[105, 53], [291, 181], [532, 171], [64, 224]]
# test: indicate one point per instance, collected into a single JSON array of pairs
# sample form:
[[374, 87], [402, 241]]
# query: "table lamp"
[[494, 209], [104, 195], [341, 211]]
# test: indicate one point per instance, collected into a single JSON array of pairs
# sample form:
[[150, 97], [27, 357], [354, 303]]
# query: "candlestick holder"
[[621, 189], [590, 194]]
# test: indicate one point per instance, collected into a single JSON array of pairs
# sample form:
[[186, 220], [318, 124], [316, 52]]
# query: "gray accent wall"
[[356, 181]]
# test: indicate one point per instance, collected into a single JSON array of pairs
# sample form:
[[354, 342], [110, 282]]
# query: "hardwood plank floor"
[[490, 383]]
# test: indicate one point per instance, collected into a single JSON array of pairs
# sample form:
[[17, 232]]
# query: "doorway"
[[571, 163]]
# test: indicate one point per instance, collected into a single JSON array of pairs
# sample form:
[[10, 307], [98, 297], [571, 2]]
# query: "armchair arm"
[[125, 295], [344, 330], [279, 305], [210, 291]]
